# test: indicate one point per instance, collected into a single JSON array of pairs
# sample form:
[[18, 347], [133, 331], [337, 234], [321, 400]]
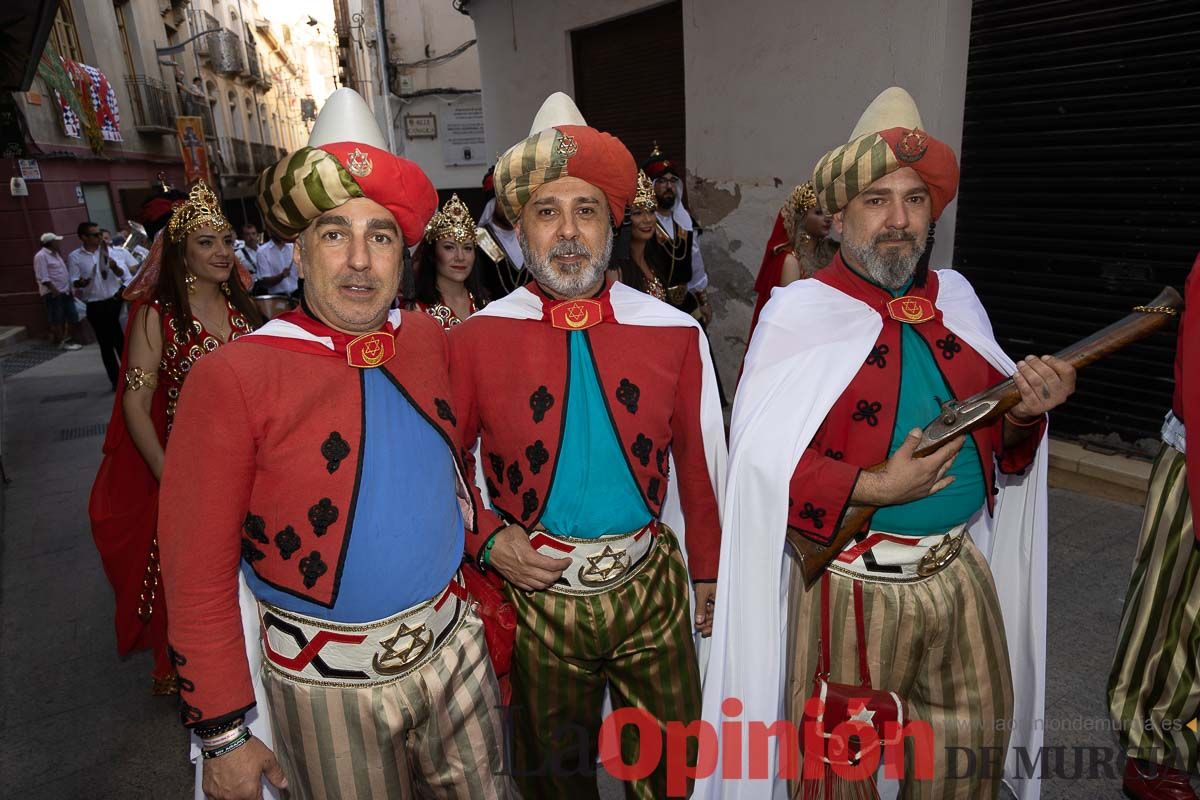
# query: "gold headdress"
[[202, 208], [797, 205], [452, 222], [644, 200]]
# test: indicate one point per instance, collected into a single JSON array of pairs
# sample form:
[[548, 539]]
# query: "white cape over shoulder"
[[810, 329]]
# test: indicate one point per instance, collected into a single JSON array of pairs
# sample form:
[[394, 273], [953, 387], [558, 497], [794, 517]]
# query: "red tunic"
[[124, 501], [269, 435], [510, 378], [1186, 403], [856, 433]]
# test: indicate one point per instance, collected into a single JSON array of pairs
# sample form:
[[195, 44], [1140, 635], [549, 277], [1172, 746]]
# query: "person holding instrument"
[[843, 371]]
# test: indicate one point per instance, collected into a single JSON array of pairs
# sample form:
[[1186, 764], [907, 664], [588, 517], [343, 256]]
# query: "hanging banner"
[[190, 132]]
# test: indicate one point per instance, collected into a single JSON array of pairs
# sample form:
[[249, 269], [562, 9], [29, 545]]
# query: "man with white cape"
[[842, 368], [591, 404]]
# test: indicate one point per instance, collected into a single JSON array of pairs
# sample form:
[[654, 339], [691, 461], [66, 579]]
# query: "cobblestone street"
[[75, 722]]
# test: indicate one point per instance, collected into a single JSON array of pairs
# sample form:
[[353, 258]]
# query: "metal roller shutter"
[[629, 79], [1080, 195]]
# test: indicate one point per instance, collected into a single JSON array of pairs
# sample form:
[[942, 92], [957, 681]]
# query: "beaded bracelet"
[[211, 731], [242, 738]]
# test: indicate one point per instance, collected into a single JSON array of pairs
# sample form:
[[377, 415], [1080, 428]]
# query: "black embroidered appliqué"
[[529, 503], [836, 455], [878, 357], [515, 478], [497, 466], [537, 455], [541, 402], [288, 542], [334, 449], [867, 412], [256, 528], [312, 567], [628, 394], [660, 459], [250, 551], [950, 346], [642, 448], [652, 490], [816, 515], [185, 685], [188, 713], [322, 515], [491, 487], [177, 658], [444, 411]]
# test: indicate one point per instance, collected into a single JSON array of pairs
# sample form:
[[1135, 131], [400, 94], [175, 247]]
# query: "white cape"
[[807, 329], [631, 307]]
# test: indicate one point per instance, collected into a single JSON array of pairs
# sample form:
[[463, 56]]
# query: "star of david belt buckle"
[[605, 567], [939, 555], [406, 646], [911, 310]]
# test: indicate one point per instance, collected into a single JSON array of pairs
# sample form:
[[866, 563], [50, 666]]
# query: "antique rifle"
[[958, 417]]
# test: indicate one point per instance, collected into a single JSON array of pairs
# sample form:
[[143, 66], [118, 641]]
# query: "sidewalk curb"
[[1112, 477]]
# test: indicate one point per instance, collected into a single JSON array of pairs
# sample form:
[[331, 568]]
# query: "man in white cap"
[[843, 371], [582, 395], [317, 458], [54, 286]]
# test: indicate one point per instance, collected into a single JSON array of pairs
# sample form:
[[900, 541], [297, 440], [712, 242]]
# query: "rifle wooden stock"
[[960, 417]]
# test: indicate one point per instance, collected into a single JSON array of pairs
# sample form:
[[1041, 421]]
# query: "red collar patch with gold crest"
[[371, 349], [911, 309], [576, 315]]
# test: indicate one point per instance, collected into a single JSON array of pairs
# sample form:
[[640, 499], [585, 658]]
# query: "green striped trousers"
[[1154, 688], [634, 639], [939, 644], [434, 733]]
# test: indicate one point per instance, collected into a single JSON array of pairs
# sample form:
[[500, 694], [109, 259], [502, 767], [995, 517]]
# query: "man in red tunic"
[[843, 371], [1154, 688], [318, 458], [582, 396]]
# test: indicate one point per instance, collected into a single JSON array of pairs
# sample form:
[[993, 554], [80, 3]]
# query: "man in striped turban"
[[844, 370], [317, 460]]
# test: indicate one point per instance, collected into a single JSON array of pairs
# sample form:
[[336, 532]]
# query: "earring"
[[225, 288], [190, 280]]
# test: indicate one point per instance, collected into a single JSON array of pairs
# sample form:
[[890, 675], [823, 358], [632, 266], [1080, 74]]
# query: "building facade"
[[98, 126]]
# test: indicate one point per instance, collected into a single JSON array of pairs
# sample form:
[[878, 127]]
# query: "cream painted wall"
[[770, 85]]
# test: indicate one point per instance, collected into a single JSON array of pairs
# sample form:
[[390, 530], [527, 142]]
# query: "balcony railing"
[[196, 107], [242, 163], [226, 53], [264, 156], [153, 109]]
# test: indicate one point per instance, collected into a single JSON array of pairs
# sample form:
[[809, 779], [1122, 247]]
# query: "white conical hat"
[[346, 117], [559, 109], [893, 108]]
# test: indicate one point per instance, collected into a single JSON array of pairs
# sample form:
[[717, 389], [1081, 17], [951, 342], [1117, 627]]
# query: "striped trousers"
[[939, 644], [1154, 688], [434, 733], [634, 639]]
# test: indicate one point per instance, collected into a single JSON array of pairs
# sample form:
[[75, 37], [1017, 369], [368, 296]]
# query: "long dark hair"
[[622, 261], [172, 288], [421, 284]]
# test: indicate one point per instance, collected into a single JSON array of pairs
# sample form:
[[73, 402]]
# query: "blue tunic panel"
[[406, 536], [594, 493]]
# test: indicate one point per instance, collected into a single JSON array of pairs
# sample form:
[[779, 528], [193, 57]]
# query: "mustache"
[[895, 236], [569, 249]]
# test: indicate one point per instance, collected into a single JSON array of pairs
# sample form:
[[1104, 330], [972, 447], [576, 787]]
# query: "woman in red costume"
[[186, 301], [798, 247], [446, 285]]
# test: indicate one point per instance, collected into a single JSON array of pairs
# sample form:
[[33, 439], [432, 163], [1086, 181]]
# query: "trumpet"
[[137, 238]]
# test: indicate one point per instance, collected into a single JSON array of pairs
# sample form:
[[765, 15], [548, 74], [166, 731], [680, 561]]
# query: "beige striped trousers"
[[939, 644], [435, 733], [1154, 687]]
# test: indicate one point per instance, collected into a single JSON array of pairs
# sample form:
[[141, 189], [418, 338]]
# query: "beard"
[[570, 280], [891, 267]]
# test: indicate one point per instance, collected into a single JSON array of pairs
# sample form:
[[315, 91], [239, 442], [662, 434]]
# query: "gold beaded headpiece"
[[798, 203], [644, 199], [201, 208], [452, 222]]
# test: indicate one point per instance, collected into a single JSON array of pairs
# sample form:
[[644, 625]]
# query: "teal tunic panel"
[[921, 388], [594, 493]]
